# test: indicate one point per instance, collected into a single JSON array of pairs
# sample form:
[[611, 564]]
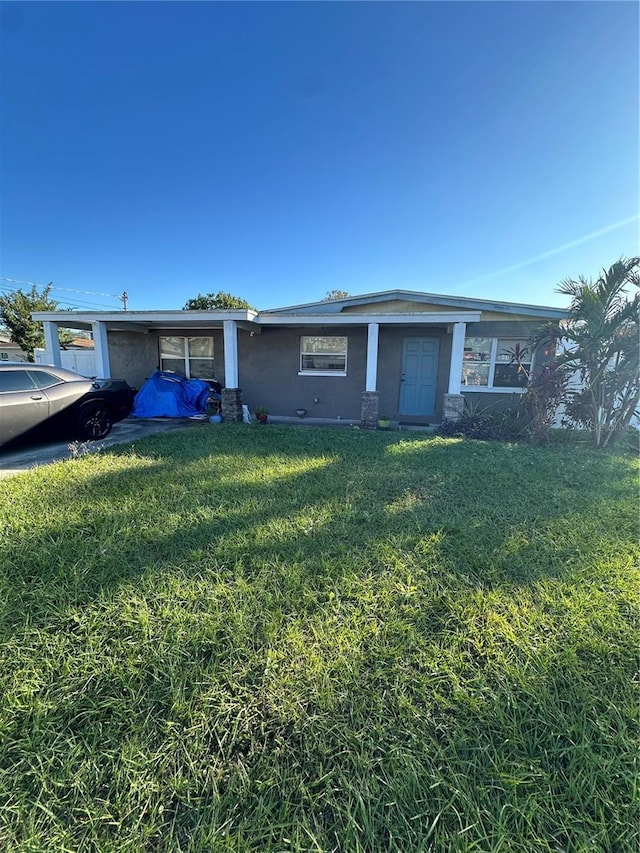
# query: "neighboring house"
[[412, 356], [10, 351]]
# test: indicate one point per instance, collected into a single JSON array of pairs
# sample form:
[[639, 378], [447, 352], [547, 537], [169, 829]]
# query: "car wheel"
[[95, 422]]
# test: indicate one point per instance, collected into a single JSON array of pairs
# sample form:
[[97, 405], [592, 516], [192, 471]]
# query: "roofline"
[[141, 320], [142, 316], [422, 296], [331, 312]]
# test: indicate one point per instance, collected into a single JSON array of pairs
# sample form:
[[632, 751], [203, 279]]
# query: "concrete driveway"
[[17, 459]]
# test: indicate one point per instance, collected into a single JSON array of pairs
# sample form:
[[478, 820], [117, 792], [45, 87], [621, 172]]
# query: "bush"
[[509, 425]]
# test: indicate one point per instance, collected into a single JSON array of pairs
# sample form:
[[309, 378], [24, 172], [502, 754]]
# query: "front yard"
[[290, 639]]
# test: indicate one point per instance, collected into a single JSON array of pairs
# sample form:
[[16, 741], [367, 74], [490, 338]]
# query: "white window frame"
[[490, 388], [186, 357], [310, 372]]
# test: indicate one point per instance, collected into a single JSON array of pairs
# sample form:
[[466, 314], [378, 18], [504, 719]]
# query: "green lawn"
[[292, 639]]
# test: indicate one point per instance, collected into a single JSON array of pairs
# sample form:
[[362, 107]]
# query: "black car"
[[42, 401]]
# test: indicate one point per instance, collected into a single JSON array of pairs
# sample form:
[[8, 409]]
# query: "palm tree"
[[600, 344]]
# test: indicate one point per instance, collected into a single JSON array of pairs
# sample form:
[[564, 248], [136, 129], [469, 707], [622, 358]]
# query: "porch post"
[[231, 394], [101, 348], [372, 357], [457, 353], [453, 403], [52, 342], [230, 353], [369, 398]]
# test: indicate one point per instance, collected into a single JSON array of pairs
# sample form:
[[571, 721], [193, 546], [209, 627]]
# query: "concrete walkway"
[[17, 459]]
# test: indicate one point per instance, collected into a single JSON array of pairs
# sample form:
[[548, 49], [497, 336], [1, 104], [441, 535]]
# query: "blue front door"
[[419, 375]]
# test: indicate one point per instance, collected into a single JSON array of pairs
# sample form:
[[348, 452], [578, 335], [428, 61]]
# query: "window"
[[43, 379], [488, 364], [190, 357], [16, 380], [323, 355]]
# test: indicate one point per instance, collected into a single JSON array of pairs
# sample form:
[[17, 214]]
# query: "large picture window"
[[323, 355], [488, 364], [190, 357]]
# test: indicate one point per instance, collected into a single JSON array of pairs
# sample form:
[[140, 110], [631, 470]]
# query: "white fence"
[[80, 360]]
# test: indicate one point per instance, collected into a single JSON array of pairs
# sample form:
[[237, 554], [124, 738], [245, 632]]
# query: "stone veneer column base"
[[232, 405], [369, 410], [452, 407]]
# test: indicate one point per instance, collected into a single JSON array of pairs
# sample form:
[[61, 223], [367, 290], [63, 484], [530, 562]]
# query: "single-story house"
[[10, 351], [414, 357]]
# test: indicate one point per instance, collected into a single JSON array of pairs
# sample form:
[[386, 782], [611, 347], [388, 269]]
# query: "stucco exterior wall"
[[135, 355], [390, 369], [397, 306], [403, 306], [269, 365], [511, 328]]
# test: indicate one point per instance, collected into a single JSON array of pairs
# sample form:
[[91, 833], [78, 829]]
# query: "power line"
[[66, 289], [123, 297], [74, 304]]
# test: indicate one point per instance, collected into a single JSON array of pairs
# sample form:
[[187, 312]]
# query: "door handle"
[[37, 397]]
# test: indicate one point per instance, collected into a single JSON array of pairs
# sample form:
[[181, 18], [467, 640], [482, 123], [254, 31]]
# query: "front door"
[[419, 375]]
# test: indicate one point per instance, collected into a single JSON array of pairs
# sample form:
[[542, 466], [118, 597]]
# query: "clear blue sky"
[[280, 150]]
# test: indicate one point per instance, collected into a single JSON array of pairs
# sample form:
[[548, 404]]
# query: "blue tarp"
[[168, 395]]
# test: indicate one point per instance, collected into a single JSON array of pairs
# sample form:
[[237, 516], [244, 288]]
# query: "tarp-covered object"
[[168, 395]]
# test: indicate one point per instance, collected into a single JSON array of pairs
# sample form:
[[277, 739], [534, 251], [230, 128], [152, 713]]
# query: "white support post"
[[52, 343], [230, 353], [372, 356], [101, 348], [457, 355]]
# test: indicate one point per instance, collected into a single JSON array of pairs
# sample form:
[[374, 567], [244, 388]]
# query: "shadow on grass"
[[485, 514]]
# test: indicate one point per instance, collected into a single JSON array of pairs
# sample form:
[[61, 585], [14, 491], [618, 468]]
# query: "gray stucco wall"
[[135, 355], [269, 364], [269, 377]]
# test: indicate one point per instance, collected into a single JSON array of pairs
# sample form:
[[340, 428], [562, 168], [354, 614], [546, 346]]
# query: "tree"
[[15, 316], [335, 294], [600, 345], [219, 301]]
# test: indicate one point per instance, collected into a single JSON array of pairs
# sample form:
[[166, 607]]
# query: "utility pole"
[[124, 298]]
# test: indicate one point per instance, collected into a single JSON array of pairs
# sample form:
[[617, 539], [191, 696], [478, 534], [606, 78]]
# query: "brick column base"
[[453, 406], [369, 410], [232, 405]]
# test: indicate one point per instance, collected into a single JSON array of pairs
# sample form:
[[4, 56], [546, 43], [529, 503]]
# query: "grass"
[[290, 639]]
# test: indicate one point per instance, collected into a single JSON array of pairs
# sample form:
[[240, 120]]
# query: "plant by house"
[[545, 390], [262, 414], [510, 424], [599, 345]]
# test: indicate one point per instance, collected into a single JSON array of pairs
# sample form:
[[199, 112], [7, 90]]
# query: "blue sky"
[[280, 150]]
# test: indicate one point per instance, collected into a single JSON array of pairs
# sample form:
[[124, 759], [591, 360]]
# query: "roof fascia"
[[441, 318]]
